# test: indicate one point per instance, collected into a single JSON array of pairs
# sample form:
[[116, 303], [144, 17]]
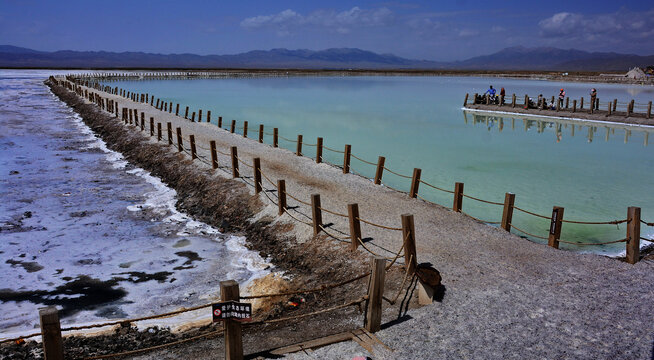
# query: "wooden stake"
[[245, 129], [186, 113], [142, 122], [158, 131], [355, 225], [180, 145], [193, 153], [633, 234], [574, 105], [261, 133], [298, 150], [209, 116], [316, 213], [281, 196], [415, 183], [375, 294], [53, 348], [232, 128], [275, 137], [507, 213], [346, 158], [234, 162], [649, 110], [220, 121], [555, 227], [319, 150], [409, 236], [214, 154], [458, 197], [170, 133], [200, 115], [513, 101], [151, 126], [257, 176], [229, 291], [380, 170], [177, 110], [193, 117], [465, 101]]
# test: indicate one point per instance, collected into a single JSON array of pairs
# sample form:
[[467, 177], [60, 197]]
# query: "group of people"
[[492, 93]]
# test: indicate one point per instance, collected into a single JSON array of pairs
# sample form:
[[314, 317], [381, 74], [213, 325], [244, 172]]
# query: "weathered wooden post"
[[214, 154], [380, 170], [229, 291], [260, 133], [151, 126], [232, 128], [513, 100], [574, 105], [465, 101], [281, 196], [157, 104], [375, 294], [220, 121], [165, 106], [275, 137], [355, 225], [581, 103], [487, 99], [507, 213], [458, 197], [245, 129], [208, 116], [633, 234], [142, 121], [555, 227], [177, 110], [346, 158], [234, 151], [186, 113], [130, 116], [158, 131], [415, 182], [526, 101], [193, 117], [257, 175], [409, 236], [200, 115], [567, 103], [298, 150], [609, 107], [319, 150], [53, 348], [615, 104], [180, 145], [316, 213], [558, 104], [193, 153]]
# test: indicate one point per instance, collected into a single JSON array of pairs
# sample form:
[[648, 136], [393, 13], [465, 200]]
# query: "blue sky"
[[433, 30]]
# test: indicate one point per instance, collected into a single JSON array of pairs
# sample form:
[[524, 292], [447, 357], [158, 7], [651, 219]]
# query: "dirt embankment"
[[226, 204]]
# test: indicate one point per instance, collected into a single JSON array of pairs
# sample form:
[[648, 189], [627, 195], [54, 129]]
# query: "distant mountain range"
[[513, 58]]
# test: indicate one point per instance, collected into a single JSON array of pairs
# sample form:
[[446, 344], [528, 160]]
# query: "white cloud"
[[340, 22], [622, 25]]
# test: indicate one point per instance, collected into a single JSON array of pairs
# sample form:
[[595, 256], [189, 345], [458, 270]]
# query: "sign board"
[[555, 217], [231, 310]]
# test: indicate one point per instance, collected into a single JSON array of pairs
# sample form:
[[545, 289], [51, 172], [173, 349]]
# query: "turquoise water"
[[418, 122]]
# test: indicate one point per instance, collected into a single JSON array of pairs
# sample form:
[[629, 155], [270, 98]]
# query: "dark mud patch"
[[139, 276], [29, 266]]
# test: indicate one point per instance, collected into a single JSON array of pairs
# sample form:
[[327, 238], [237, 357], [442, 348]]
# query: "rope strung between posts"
[[646, 239], [355, 302], [394, 173], [647, 223], [480, 220], [399, 291], [244, 163], [332, 212], [298, 200], [364, 161], [372, 252], [336, 151], [139, 351], [289, 140], [394, 189], [265, 192], [531, 213], [613, 222], [431, 202], [599, 243], [436, 187], [524, 232], [342, 239], [307, 291], [378, 225], [308, 144], [397, 255], [267, 178], [296, 219], [482, 200], [222, 153]]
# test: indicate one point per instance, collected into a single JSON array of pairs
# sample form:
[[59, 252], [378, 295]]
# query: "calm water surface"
[[418, 122]]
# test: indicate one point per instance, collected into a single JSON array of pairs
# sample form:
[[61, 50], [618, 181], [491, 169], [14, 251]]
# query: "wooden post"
[[186, 113], [232, 128], [513, 100], [507, 213], [415, 182], [200, 115], [615, 104], [355, 225], [220, 121], [281, 196], [193, 117], [555, 227], [458, 197], [487, 99], [257, 176], [409, 236], [633, 234], [465, 101], [245, 129], [649, 110], [158, 131], [581, 103], [214, 154], [319, 150], [526, 101], [375, 294], [316, 213], [574, 105], [234, 162], [610, 105], [151, 126], [180, 145], [233, 337], [380, 170], [53, 348], [261, 133], [157, 104], [567, 103], [346, 158], [165, 106], [142, 121], [177, 110], [208, 116], [275, 137], [193, 153], [298, 150], [170, 133]]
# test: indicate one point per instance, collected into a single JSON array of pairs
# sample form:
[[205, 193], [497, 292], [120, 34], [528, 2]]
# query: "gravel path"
[[505, 296]]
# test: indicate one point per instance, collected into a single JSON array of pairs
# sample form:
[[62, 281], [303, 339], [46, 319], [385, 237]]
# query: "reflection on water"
[[560, 128]]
